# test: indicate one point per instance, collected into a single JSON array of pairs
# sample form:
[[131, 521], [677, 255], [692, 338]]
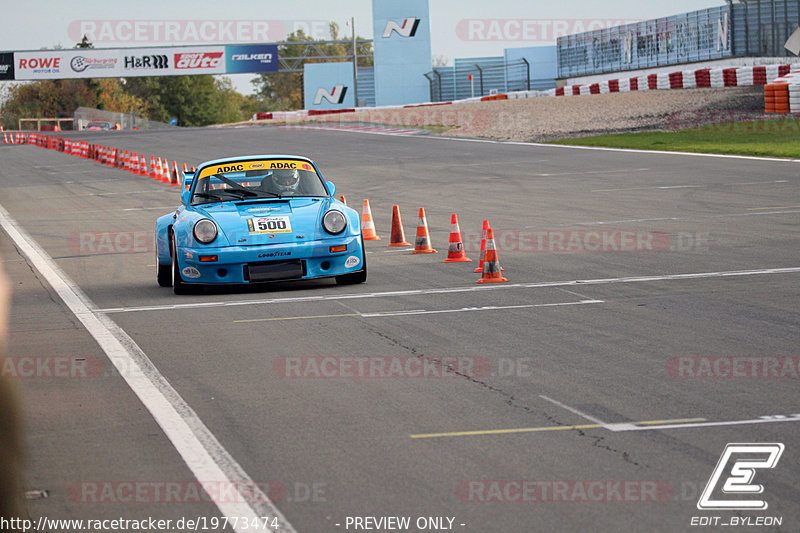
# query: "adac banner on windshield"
[[6, 65], [133, 62]]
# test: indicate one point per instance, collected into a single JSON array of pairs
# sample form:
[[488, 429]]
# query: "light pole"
[[355, 61]]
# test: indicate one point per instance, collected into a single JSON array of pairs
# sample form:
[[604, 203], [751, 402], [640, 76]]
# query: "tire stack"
[[776, 98]]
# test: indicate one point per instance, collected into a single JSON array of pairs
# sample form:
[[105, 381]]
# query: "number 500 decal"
[[261, 225]]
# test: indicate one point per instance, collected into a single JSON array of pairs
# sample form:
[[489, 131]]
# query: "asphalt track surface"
[[563, 381]]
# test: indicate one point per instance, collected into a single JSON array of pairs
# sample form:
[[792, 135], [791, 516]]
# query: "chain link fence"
[[127, 121]]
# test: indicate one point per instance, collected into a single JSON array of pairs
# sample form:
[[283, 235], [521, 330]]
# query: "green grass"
[[772, 138]]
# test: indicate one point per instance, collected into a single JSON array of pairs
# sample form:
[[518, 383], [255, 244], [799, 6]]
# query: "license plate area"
[[274, 270]]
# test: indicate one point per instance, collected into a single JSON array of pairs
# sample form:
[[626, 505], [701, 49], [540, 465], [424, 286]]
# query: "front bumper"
[[237, 264]]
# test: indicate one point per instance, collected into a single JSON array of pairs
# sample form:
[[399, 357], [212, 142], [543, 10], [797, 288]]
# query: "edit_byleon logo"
[[739, 462]]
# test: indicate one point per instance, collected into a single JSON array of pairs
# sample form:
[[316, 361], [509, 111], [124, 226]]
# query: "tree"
[[85, 43], [193, 100]]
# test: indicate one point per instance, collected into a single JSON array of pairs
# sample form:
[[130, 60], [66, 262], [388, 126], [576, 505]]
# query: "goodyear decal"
[[263, 164]]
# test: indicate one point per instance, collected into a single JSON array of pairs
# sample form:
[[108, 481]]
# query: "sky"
[[459, 28]]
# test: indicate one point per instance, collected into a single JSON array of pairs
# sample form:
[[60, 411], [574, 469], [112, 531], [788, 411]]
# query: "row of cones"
[[131, 161], [489, 264]]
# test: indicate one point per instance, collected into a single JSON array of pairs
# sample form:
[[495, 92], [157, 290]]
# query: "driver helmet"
[[286, 180]]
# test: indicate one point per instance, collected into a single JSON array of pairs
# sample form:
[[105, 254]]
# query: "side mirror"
[[186, 187], [331, 187]]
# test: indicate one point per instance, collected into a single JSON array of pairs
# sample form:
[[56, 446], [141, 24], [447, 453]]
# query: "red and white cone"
[[484, 232], [422, 242], [173, 182], [491, 264], [455, 252], [367, 224]]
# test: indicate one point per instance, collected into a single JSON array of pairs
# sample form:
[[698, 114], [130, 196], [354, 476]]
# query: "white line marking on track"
[[708, 424], [574, 411], [669, 219], [469, 309], [691, 186], [592, 172], [576, 147], [449, 290], [409, 312], [204, 455]]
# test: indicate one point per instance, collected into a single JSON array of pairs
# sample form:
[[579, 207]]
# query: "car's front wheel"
[[178, 286]]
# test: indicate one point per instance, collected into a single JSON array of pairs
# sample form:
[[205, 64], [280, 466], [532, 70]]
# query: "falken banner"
[[133, 62]]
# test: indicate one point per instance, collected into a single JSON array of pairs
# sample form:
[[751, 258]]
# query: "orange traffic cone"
[[491, 265], [173, 182], [367, 224], [484, 232], [165, 172], [483, 246], [398, 235], [422, 244], [343, 199], [152, 172], [143, 166], [456, 253]]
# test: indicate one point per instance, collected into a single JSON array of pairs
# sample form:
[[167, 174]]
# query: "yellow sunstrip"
[[264, 164]]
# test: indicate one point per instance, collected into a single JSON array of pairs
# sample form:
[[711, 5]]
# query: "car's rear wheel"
[[163, 273], [178, 286]]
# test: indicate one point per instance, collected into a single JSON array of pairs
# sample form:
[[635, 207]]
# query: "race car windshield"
[[269, 179]]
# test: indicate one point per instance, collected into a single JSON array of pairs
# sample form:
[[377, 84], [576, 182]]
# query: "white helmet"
[[286, 179]]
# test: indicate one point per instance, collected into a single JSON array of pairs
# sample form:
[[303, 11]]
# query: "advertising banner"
[[125, 62], [328, 85], [251, 58], [6, 66], [402, 42]]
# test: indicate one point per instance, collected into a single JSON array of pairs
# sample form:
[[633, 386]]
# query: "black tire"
[[355, 277], [178, 286], [163, 273]]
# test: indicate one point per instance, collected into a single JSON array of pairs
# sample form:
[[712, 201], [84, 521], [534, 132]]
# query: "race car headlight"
[[334, 222], [205, 231]]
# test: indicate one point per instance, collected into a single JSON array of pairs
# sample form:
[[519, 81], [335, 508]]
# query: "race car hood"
[[268, 221]]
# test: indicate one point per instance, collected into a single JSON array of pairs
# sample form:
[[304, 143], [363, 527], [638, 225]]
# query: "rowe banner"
[[132, 62]]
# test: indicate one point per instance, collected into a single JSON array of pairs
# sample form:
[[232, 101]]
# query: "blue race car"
[[255, 219]]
